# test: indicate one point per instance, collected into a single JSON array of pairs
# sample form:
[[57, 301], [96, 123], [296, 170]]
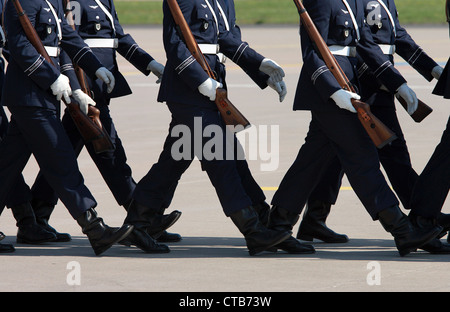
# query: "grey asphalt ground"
[[212, 255]]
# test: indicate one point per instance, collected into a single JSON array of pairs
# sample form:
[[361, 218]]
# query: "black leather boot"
[[406, 237], [283, 220], [257, 236], [28, 231], [313, 224], [444, 221], [263, 211], [144, 217], [42, 211], [141, 239], [435, 246], [101, 236], [5, 248], [167, 237]]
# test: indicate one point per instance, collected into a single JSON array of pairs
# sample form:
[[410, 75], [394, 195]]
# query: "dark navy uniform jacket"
[[333, 21], [183, 74], [92, 22], [386, 30], [29, 75]]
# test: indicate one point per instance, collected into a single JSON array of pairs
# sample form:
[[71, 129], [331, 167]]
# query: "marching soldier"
[[156, 188], [190, 93], [335, 128], [32, 92], [391, 37], [29, 231], [433, 184], [100, 28]]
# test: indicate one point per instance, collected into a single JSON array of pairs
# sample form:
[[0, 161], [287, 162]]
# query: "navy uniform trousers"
[[153, 189], [96, 24]]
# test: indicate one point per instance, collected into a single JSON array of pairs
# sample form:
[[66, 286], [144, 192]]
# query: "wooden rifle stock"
[[377, 131], [422, 111], [87, 128], [230, 114], [104, 143]]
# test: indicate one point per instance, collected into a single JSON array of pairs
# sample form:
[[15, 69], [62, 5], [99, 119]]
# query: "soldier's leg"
[[324, 195], [45, 137]]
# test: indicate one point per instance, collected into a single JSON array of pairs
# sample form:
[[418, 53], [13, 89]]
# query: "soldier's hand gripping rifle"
[[377, 131], [89, 130], [230, 114], [104, 144]]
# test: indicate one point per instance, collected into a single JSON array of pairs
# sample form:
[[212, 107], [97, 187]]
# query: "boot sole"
[[100, 250], [255, 251], [37, 242], [405, 251], [329, 241]]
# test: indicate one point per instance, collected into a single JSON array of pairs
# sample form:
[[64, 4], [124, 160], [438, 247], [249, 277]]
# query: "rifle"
[[230, 114], [104, 144], [422, 111], [377, 131], [89, 130]]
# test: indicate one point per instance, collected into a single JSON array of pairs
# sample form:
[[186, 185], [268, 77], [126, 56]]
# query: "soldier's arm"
[[313, 64], [185, 65], [129, 49], [78, 50], [411, 52], [22, 51], [379, 63]]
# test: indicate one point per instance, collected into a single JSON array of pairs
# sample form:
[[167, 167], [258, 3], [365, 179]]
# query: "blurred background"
[[282, 12]]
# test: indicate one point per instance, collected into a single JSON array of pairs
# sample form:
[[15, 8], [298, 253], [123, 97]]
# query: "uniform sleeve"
[[129, 49], [257, 76], [78, 50], [185, 65], [67, 69], [239, 51], [22, 51], [407, 48], [313, 64], [379, 63]]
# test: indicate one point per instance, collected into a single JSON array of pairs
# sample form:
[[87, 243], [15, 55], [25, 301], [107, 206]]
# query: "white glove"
[[343, 99], [279, 87], [409, 96], [208, 88], [437, 72], [61, 88], [157, 69], [83, 100], [272, 69], [107, 77]]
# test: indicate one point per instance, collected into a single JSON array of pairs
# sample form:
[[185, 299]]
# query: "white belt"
[[212, 49], [387, 49], [344, 51], [112, 43], [52, 51], [209, 48]]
